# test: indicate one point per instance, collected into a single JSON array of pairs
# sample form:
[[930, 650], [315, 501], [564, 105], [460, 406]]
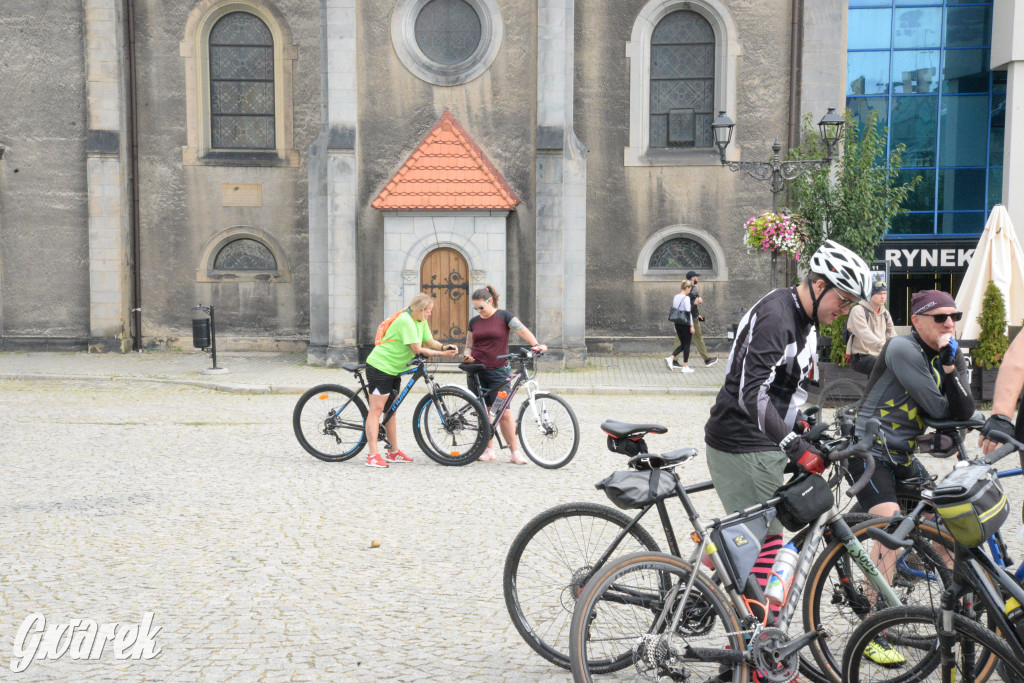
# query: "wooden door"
[[444, 275]]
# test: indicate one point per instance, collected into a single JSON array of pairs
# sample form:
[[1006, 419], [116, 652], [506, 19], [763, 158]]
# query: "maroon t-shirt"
[[490, 338]]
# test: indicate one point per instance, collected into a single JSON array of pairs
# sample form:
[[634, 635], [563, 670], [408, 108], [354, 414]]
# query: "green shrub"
[[837, 354], [992, 342]]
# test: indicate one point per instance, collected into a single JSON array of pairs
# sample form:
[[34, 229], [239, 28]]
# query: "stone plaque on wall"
[[241, 194]]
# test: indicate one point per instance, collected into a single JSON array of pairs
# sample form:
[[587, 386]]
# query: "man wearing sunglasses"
[[918, 374]]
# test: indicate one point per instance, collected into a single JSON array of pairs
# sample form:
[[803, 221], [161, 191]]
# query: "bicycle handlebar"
[[521, 355], [860, 449], [1011, 446]]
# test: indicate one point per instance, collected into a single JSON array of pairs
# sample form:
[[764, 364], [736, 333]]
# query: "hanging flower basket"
[[776, 233]]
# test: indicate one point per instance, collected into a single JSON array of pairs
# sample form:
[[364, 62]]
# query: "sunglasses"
[[942, 317], [479, 308]]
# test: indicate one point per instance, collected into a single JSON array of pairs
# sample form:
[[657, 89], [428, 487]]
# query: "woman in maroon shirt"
[[488, 339]]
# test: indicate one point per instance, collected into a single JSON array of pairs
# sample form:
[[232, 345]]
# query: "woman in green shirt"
[[406, 337]]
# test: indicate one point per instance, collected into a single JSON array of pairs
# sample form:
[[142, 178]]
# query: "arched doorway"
[[444, 275]]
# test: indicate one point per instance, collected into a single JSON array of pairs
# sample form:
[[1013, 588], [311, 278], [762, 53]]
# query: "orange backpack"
[[382, 329]]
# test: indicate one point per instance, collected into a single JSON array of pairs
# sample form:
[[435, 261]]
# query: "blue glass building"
[[923, 66]]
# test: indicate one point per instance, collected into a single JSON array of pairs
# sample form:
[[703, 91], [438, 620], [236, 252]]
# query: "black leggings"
[[685, 336]]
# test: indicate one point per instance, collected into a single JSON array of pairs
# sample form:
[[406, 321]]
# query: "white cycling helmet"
[[842, 268]]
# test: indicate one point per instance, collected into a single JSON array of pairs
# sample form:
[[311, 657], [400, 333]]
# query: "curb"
[[237, 388]]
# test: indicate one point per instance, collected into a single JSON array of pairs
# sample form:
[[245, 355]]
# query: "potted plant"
[[992, 343], [832, 363]]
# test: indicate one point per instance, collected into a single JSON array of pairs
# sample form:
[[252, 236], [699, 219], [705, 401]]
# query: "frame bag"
[[635, 489], [971, 503], [740, 543], [803, 501]]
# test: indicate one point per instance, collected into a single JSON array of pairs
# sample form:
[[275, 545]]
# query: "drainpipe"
[[133, 172], [796, 41]]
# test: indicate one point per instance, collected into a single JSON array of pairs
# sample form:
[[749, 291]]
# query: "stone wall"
[[44, 240], [628, 205]]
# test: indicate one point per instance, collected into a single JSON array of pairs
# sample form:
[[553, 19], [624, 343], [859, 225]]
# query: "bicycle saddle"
[[353, 367], [621, 430], [472, 367], [651, 461], [976, 421]]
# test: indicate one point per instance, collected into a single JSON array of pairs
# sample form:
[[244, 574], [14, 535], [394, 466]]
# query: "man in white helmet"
[[750, 436]]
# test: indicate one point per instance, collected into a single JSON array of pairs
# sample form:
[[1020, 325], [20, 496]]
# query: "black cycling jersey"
[[763, 389], [906, 383]]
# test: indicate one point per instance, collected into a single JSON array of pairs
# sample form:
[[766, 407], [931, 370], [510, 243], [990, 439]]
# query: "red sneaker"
[[375, 460], [397, 456]]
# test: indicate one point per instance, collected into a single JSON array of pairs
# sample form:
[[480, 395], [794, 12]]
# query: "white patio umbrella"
[[999, 258]]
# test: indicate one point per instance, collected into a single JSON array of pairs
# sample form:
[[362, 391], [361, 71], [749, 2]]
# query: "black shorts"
[[489, 383], [381, 383], [887, 481]]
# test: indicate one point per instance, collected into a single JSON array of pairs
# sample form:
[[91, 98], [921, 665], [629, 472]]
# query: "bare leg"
[[373, 422]]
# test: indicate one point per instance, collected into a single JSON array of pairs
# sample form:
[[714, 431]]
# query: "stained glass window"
[[681, 253], [244, 254], [241, 83], [448, 31], [682, 81]]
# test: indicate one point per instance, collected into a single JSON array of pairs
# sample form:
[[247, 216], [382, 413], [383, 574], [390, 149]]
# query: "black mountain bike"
[[450, 424]]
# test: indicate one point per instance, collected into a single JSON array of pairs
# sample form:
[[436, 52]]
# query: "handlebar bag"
[[971, 503], [633, 489], [740, 543], [803, 501]]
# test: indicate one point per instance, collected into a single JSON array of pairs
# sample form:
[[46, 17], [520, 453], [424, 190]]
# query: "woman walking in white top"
[[684, 330]]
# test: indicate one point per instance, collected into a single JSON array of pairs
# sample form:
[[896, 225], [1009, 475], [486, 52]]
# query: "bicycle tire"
[[451, 426], [551, 559], [318, 427], [834, 596], [913, 629], [545, 442], [838, 397], [604, 613]]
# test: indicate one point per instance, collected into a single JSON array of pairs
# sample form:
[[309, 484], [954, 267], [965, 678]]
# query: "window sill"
[[644, 156], [288, 158], [225, 276], [673, 275]]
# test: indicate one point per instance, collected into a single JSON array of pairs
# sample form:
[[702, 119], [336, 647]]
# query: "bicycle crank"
[[776, 657]]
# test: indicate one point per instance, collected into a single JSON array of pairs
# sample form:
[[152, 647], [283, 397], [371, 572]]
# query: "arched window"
[[680, 253], [683, 61], [244, 254], [671, 252], [682, 81], [238, 59], [241, 83]]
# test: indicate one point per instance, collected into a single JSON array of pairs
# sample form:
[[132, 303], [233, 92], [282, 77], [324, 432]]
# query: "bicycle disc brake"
[[767, 660]]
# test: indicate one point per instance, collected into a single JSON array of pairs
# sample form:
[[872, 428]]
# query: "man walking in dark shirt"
[[698, 336]]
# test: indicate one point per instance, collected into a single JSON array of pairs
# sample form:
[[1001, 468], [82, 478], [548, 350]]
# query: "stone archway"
[[444, 275]]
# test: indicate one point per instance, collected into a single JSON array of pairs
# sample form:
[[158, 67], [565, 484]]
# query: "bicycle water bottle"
[[500, 399], [782, 574], [1015, 613]]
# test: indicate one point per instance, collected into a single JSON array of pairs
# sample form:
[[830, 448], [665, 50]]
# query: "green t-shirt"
[[394, 354]]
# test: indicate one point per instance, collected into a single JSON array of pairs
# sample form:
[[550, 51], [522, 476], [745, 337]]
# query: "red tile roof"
[[447, 171]]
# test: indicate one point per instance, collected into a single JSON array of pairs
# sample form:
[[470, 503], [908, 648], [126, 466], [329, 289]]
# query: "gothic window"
[[448, 31], [682, 78], [245, 254], [681, 253], [241, 83]]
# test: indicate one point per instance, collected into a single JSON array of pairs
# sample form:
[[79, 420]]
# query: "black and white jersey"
[[764, 382]]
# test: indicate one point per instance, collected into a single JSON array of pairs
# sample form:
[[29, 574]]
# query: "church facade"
[[306, 167]]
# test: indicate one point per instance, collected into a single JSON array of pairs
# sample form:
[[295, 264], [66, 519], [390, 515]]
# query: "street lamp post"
[[777, 171]]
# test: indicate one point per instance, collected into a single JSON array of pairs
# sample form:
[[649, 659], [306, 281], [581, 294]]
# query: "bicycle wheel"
[[329, 421], [839, 597], [615, 615], [550, 560], [913, 633], [548, 430], [451, 426], [839, 397]]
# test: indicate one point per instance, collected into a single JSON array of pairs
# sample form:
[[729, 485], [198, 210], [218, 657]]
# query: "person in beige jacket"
[[870, 326]]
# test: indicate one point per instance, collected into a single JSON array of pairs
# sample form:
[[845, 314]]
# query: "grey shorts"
[[745, 479]]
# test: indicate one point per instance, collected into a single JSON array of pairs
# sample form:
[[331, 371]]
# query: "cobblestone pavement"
[[124, 498], [289, 373]]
